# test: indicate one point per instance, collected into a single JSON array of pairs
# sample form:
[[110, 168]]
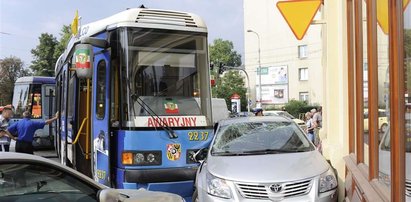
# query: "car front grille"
[[408, 188], [253, 191], [263, 191]]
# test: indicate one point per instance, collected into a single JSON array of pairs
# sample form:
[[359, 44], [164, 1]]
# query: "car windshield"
[[260, 137], [27, 182]]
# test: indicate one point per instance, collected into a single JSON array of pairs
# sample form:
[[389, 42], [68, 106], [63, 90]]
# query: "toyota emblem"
[[276, 188]]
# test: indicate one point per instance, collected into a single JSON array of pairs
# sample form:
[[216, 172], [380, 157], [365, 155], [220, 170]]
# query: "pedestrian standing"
[[317, 120], [310, 126], [5, 138], [25, 129]]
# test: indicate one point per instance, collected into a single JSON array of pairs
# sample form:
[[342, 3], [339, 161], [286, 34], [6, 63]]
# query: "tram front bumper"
[[160, 175], [174, 180]]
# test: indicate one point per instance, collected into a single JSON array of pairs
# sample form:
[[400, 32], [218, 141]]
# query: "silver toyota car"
[[263, 159]]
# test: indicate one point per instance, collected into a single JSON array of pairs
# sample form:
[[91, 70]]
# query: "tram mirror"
[[83, 60], [101, 43], [200, 155]]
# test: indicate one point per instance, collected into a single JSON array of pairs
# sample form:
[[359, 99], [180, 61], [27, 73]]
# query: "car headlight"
[[386, 179], [327, 181], [218, 187]]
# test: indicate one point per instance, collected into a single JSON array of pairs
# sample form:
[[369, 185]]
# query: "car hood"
[[268, 168]]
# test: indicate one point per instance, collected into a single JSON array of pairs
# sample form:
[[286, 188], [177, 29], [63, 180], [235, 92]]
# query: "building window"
[[304, 96], [303, 74], [302, 51]]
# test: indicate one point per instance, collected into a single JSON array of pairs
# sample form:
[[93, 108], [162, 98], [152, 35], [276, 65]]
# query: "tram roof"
[[139, 17], [146, 18], [36, 80]]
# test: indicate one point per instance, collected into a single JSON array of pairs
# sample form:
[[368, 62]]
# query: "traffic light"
[[211, 66], [221, 68]]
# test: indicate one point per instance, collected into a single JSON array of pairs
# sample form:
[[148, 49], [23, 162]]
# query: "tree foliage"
[[295, 107], [11, 68], [44, 55], [232, 82], [407, 43], [48, 51], [65, 35], [222, 51]]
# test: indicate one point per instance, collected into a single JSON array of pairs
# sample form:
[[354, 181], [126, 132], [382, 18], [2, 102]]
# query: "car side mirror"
[[136, 195], [106, 195], [200, 155]]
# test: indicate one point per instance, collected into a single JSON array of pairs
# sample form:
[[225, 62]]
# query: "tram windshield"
[[164, 73]]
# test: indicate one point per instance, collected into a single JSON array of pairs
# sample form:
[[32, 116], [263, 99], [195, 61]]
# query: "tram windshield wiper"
[[171, 133], [155, 117]]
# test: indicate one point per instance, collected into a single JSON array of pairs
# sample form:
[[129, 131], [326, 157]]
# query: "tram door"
[[82, 147], [100, 118]]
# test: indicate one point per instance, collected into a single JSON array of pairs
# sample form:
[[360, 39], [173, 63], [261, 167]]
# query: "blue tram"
[[126, 89]]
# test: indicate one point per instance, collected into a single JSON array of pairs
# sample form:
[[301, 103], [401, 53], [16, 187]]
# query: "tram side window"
[[71, 95], [101, 90]]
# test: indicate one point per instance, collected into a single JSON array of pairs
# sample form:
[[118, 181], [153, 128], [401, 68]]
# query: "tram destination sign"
[[171, 121]]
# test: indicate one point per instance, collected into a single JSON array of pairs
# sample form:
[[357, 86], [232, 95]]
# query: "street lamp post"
[[259, 68]]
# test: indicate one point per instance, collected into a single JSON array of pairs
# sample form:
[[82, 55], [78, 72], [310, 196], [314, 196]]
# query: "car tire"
[[195, 196], [384, 127]]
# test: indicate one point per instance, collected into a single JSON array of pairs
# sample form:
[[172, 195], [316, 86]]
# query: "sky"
[[22, 21]]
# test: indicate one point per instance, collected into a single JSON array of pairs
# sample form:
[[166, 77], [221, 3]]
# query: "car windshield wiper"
[[153, 115], [271, 151], [226, 153]]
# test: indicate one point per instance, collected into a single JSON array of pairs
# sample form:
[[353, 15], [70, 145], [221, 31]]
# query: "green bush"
[[296, 107]]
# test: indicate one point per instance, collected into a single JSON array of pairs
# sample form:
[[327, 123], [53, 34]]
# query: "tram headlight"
[[138, 158], [151, 158], [142, 158]]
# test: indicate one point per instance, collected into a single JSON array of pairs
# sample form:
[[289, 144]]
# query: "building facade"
[[290, 68]]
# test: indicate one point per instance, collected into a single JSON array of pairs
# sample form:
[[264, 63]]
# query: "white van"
[[220, 109]]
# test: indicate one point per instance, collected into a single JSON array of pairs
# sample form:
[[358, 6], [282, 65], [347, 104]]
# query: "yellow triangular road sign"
[[382, 13], [299, 14]]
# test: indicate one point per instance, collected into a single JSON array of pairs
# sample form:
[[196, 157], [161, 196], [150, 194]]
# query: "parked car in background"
[[299, 122], [382, 121], [28, 178], [384, 162], [263, 159]]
